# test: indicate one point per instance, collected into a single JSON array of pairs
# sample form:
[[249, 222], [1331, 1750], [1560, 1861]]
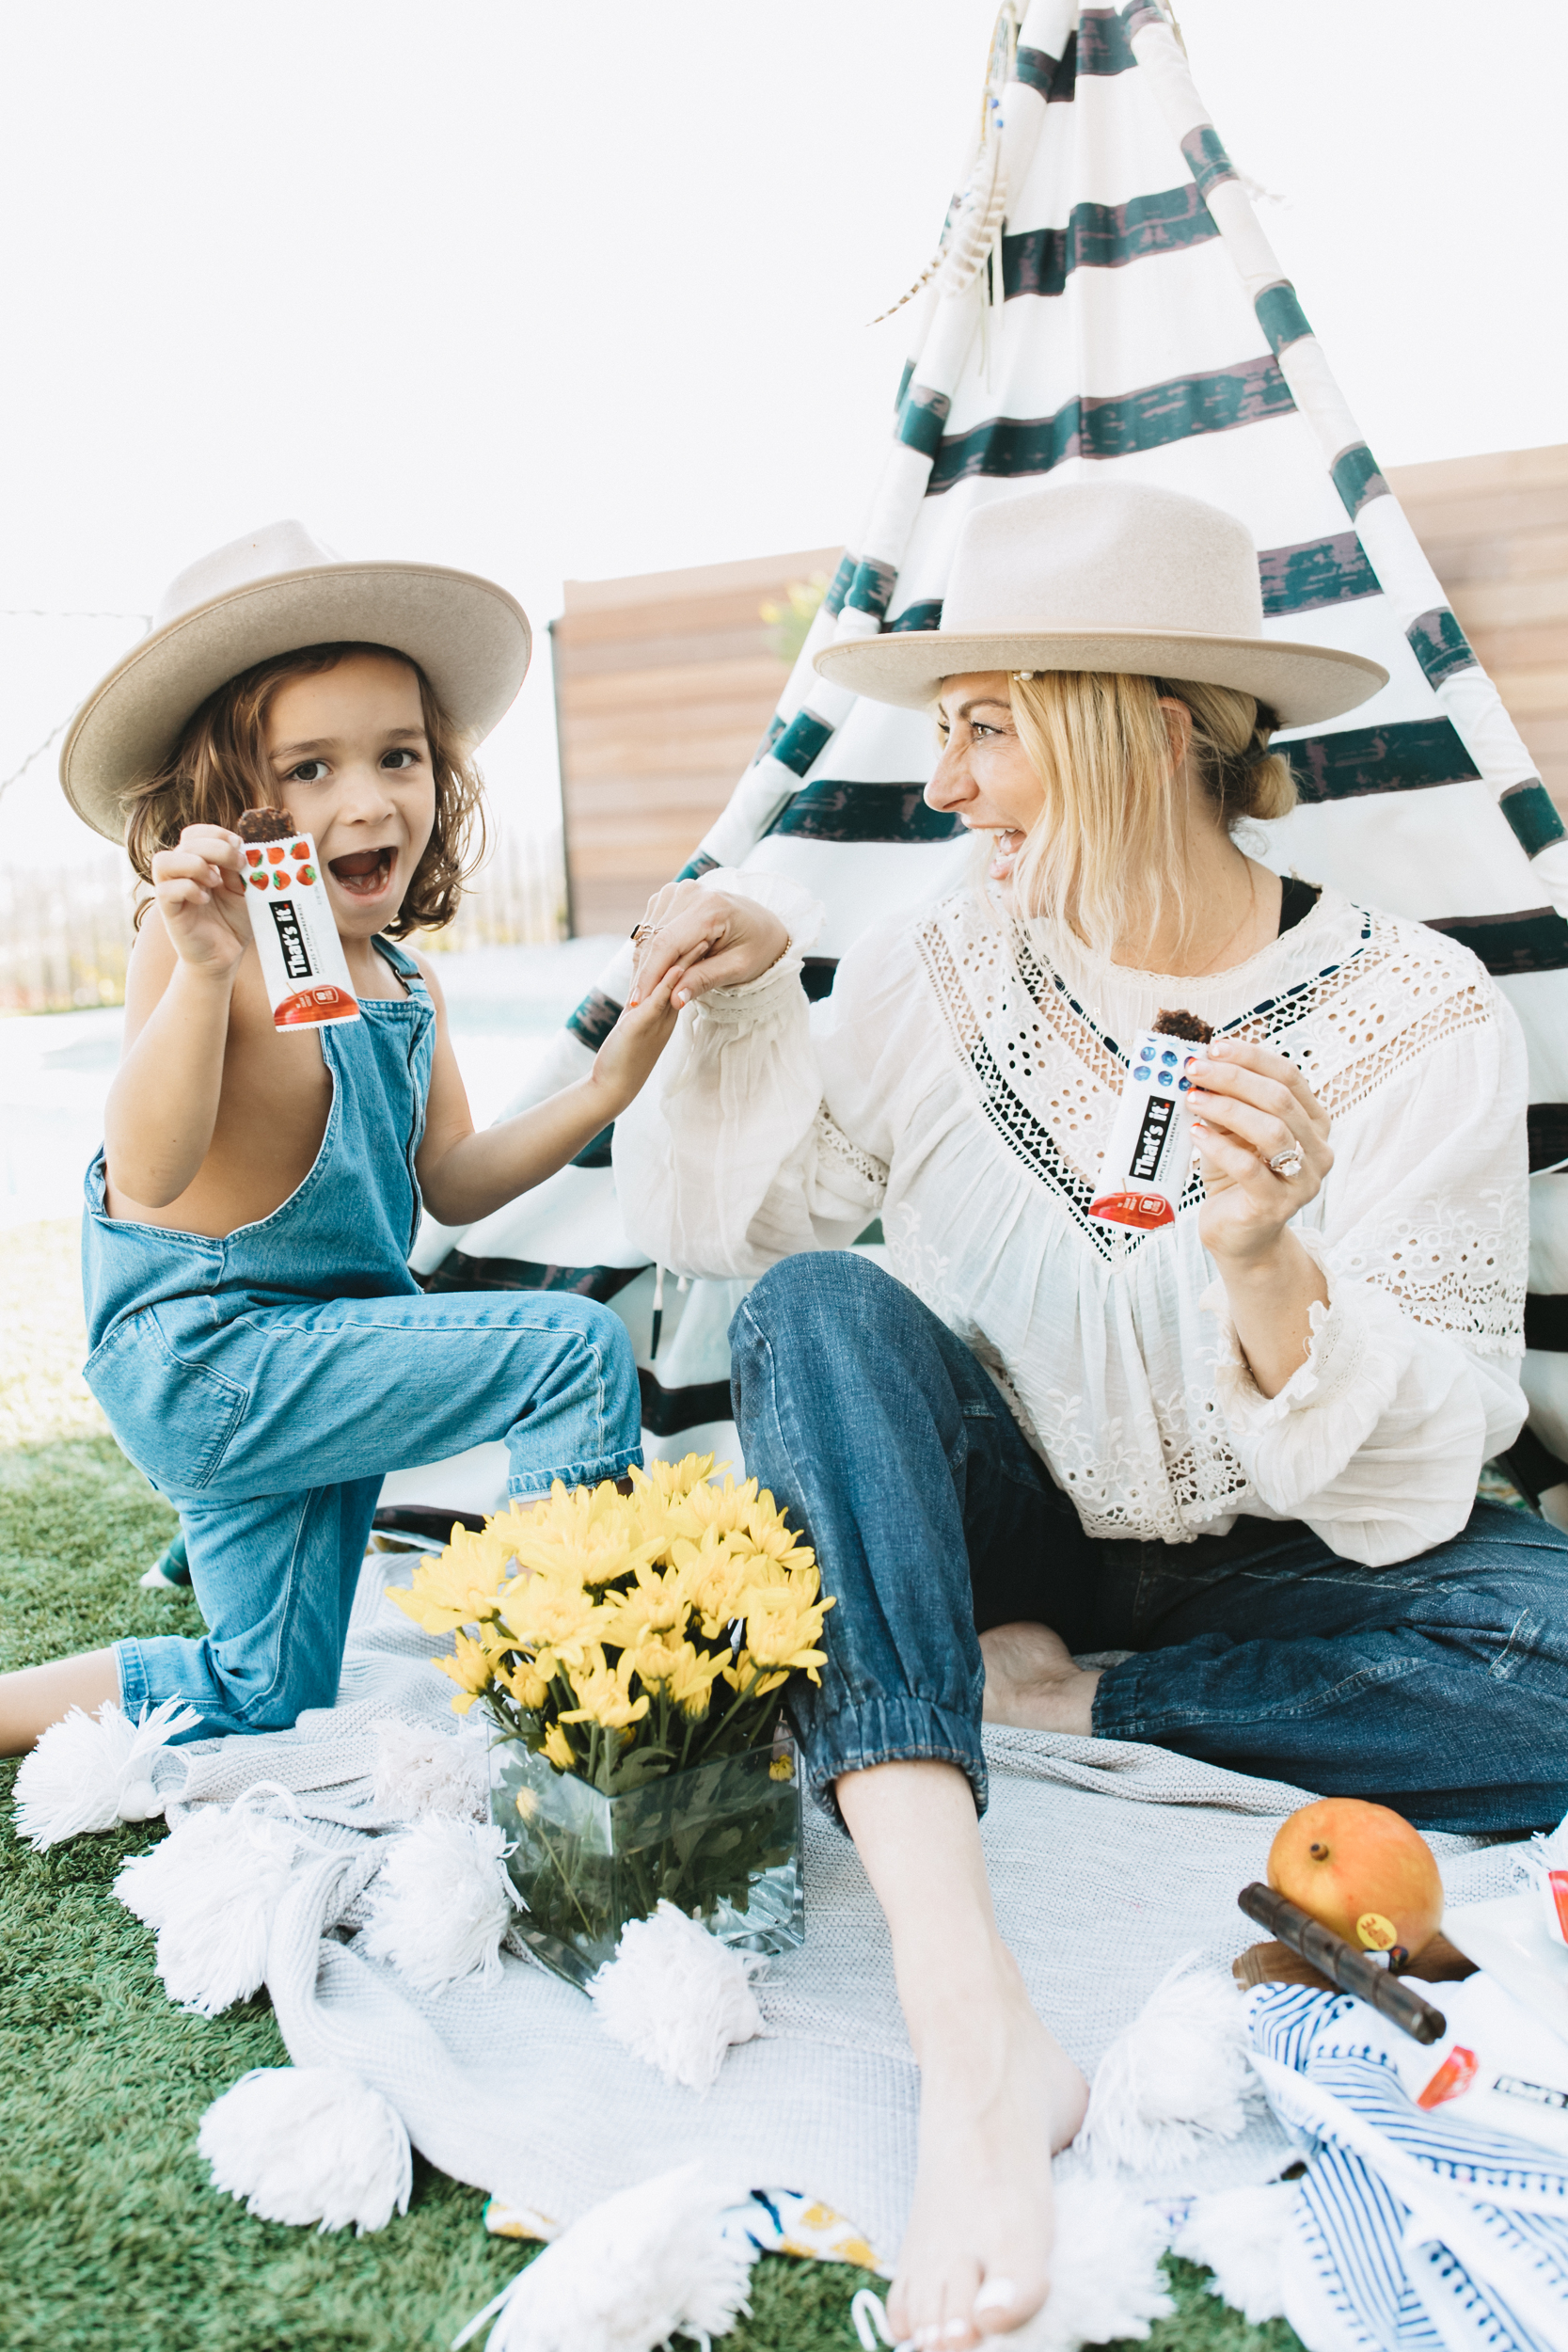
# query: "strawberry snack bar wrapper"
[[1149, 1155], [303, 963]]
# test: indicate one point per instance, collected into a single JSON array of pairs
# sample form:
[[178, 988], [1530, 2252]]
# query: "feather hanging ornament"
[[974, 226]]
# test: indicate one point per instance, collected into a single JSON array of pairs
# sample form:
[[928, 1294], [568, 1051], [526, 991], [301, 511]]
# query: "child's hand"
[[625, 1060], [200, 887]]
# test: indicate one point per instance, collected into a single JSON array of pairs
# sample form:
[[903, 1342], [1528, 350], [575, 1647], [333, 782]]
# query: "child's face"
[[352, 763]]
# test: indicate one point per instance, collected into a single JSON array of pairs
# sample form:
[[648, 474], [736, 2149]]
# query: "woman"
[[1240, 1450]]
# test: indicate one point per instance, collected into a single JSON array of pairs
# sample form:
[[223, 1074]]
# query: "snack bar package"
[[1151, 1151], [303, 963]]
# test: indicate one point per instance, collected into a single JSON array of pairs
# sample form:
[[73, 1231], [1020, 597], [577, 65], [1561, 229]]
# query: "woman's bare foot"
[[1032, 1683], [998, 2093]]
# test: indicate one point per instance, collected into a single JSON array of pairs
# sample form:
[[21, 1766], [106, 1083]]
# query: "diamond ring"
[[1286, 1162]]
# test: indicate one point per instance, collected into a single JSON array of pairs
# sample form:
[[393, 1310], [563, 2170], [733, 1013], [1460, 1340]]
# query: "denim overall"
[[267, 1381]]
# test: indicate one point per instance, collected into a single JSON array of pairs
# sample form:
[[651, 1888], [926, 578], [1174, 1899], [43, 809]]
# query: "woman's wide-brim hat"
[[1106, 576], [274, 593]]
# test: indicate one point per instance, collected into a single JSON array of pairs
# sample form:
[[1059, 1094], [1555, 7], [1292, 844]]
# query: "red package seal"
[[1452, 2078]]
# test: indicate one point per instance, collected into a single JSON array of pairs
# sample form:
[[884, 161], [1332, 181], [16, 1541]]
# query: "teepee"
[[1104, 298]]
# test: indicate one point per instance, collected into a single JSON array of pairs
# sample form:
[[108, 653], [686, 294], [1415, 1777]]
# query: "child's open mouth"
[[366, 873]]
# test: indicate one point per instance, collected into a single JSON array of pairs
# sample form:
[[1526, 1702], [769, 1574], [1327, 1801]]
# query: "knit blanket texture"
[[1110, 1862]]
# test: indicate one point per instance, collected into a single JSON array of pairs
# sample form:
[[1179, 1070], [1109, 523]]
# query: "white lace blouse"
[[961, 1080]]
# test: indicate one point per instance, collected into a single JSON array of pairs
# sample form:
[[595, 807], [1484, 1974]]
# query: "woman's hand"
[[1250, 1106], [199, 888], [699, 940]]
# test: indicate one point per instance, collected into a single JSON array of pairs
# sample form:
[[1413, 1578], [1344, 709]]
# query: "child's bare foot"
[[33, 1697], [1032, 1683], [998, 2093]]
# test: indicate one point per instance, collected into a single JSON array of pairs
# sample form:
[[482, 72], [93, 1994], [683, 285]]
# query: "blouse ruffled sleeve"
[[730, 1157], [1411, 1377]]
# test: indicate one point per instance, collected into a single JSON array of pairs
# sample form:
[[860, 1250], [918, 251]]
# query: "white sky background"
[[548, 290]]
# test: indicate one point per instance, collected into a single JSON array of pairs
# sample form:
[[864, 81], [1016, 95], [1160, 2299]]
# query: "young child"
[[258, 1344]]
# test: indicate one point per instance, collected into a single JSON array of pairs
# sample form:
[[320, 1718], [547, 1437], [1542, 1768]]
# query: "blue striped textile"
[[1417, 2230]]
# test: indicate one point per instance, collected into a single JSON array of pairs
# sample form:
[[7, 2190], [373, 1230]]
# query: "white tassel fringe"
[[308, 2143], [211, 1891], [428, 1771], [647, 2265], [676, 1997], [439, 1904], [1239, 2234], [90, 1772], [1177, 2080]]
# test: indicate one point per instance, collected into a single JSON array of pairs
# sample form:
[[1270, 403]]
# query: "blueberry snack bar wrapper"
[[303, 963], [1149, 1155]]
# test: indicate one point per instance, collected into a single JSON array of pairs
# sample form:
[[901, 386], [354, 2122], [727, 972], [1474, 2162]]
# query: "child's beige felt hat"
[[1110, 576], [270, 594]]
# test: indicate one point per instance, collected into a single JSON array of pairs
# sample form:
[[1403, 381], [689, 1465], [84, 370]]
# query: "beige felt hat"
[[1106, 576], [269, 593]]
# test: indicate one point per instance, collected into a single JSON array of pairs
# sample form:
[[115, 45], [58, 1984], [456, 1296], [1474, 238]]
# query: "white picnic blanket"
[[1109, 1863]]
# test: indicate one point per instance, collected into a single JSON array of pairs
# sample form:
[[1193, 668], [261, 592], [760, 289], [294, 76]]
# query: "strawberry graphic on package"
[[302, 957]]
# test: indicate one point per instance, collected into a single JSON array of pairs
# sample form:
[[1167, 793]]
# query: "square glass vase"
[[721, 1841]]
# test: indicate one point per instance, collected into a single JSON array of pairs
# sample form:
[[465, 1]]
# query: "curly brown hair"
[[219, 768]]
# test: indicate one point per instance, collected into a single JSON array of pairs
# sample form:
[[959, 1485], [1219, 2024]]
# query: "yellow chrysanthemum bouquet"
[[632, 1653]]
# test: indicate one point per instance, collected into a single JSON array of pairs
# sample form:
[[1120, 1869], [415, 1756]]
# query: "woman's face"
[[352, 760], [983, 774]]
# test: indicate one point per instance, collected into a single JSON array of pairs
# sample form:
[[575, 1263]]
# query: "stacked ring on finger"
[[1286, 1162], [641, 932]]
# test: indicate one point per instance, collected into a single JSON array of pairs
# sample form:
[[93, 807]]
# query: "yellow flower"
[[526, 1685], [782, 1627], [673, 1479], [687, 1674], [713, 1577], [551, 1610], [458, 1586], [656, 1605], [528, 1799], [722, 1507], [781, 1769], [745, 1675], [588, 1537], [558, 1748], [472, 1667], [605, 1693]]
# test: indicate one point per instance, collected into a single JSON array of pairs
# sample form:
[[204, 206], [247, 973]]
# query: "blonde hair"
[[1101, 746], [219, 768]]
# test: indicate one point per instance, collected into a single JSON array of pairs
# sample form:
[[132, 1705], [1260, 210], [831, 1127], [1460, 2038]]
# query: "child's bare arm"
[[163, 1107], [464, 1173]]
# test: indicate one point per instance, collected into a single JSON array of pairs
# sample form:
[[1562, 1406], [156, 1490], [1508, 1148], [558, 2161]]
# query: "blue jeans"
[[272, 1428], [1438, 1686]]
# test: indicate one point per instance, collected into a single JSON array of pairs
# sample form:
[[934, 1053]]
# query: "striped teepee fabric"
[[1106, 298]]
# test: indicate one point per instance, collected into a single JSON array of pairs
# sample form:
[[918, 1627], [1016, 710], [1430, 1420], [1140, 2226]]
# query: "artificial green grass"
[[111, 2238]]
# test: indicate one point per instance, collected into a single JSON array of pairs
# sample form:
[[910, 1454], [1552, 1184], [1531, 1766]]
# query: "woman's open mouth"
[[365, 874], [1007, 845]]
